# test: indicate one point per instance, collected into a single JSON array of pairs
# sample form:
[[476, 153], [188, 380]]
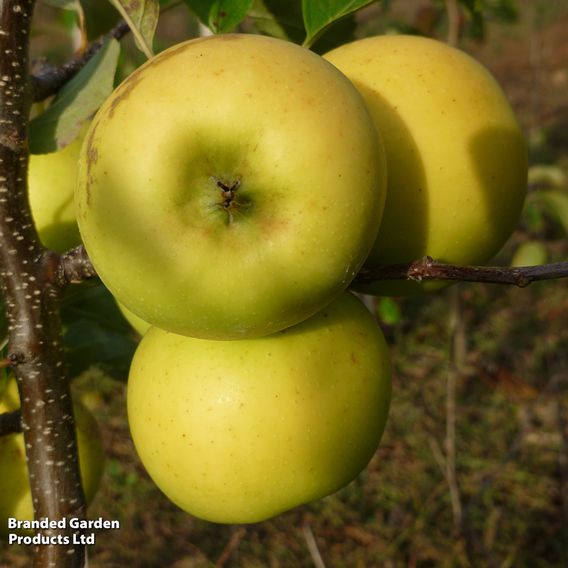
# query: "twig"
[[232, 545], [10, 423], [429, 269], [312, 546], [453, 12], [74, 267], [50, 80]]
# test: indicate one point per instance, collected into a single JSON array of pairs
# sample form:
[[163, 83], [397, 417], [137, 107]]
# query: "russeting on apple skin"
[[230, 187], [240, 431], [456, 156]]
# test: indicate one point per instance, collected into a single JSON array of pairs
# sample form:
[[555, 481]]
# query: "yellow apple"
[[15, 495], [456, 157], [230, 187], [240, 431], [51, 185]]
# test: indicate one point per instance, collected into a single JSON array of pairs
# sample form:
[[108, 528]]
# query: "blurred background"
[[473, 466]]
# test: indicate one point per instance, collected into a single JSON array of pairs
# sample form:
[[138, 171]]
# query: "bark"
[[31, 295], [429, 269], [49, 80]]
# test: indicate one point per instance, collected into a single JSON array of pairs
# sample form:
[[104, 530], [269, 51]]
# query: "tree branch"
[[75, 267], [50, 79], [428, 269], [32, 301]]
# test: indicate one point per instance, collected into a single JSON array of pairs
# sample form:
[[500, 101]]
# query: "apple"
[[456, 156], [230, 187], [240, 431], [138, 324], [51, 186], [15, 494]]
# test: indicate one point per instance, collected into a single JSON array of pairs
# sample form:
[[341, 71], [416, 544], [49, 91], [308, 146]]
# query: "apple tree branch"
[[31, 297], [49, 80], [429, 269]]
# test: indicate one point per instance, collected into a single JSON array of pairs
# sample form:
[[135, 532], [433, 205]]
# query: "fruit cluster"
[[229, 191]]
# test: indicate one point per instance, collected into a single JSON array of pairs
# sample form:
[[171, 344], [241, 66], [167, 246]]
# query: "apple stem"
[[229, 202]]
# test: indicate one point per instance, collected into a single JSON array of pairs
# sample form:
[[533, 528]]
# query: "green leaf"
[[531, 253], [340, 33], [220, 16], [142, 19], [320, 14], [279, 18], [96, 333], [75, 103], [64, 4], [100, 17], [388, 311]]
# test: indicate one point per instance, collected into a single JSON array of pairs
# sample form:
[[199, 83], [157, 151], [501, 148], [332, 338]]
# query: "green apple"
[[15, 494], [456, 157], [51, 185], [138, 324], [240, 431], [230, 187]]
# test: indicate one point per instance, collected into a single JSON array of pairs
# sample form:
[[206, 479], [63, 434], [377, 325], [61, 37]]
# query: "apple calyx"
[[229, 202]]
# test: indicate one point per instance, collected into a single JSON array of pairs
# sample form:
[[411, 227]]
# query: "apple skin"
[[264, 114], [15, 494], [51, 187], [456, 156], [138, 324], [240, 431]]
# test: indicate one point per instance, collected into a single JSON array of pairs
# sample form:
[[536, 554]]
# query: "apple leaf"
[[142, 19], [76, 102], [341, 32], [95, 333], [100, 17], [220, 16], [388, 311], [64, 4], [320, 14], [279, 18]]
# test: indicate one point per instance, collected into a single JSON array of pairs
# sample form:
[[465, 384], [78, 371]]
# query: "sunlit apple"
[[231, 187], [240, 431], [456, 157]]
